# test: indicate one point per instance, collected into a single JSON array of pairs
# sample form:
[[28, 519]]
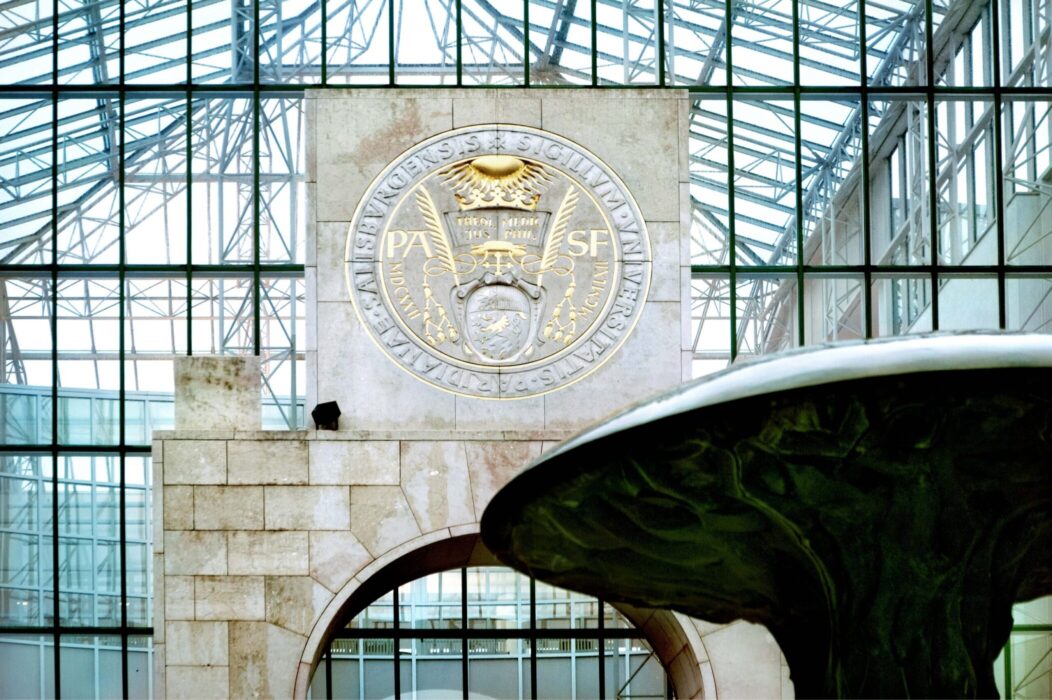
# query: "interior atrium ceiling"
[[97, 103]]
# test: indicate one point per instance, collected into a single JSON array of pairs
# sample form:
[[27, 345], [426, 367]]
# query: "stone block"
[[196, 683], [310, 115], [310, 292], [268, 553], [381, 518], [157, 576], [362, 134], [217, 392], [332, 252], [263, 660], [229, 598], [665, 280], [335, 557], [496, 107], [373, 392], [157, 484], [268, 462], [192, 643], [179, 508], [191, 553], [688, 676], [178, 598], [647, 363], [396, 552], [493, 464], [195, 462], [159, 678], [485, 414], [435, 482], [643, 139], [748, 659], [359, 462], [683, 129], [295, 602], [308, 508], [228, 507]]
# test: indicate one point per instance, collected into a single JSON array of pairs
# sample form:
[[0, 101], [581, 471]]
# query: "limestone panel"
[[178, 598], [358, 462], [229, 598], [178, 508], [308, 508], [381, 517], [228, 507], [160, 682], [268, 553], [639, 139], [311, 146], [480, 414], [682, 669], [335, 557], [373, 392], [196, 643], [294, 602], [193, 553], [649, 363], [195, 462], [263, 659], [217, 393], [489, 107], [356, 149], [196, 683], [310, 291], [158, 597], [493, 464], [332, 247], [268, 462], [436, 484], [666, 278], [748, 660]]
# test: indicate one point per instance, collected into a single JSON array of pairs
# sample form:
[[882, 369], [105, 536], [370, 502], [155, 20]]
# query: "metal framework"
[[857, 168], [496, 614]]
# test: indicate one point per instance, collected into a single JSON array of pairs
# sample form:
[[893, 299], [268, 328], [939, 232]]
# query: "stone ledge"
[[547, 435]]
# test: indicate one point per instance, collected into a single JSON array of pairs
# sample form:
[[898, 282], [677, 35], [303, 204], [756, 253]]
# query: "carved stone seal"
[[498, 261]]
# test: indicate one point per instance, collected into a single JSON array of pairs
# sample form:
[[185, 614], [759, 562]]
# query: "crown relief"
[[497, 181]]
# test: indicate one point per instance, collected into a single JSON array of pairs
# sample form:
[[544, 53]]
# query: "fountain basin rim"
[[828, 364]]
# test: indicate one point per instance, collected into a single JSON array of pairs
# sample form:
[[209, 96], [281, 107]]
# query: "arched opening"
[[466, 626]]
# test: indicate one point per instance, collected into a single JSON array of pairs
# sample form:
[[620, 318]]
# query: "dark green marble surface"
[[880, 528]]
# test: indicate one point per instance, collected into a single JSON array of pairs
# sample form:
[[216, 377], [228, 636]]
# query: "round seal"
[[498, 261]]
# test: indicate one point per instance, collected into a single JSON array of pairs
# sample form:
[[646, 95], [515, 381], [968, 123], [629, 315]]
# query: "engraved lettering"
[[498, 263]]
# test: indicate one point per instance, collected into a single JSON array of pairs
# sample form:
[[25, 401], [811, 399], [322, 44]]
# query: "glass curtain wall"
[[487, 632], [857, 169]]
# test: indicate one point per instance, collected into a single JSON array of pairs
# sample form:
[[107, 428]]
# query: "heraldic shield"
[[500, 246]]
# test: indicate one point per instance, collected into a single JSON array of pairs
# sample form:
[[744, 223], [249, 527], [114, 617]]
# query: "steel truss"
[[779, 200], [152, 186]]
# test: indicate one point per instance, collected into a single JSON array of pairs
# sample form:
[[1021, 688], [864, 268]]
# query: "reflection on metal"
[[879, 507], [794, 173]]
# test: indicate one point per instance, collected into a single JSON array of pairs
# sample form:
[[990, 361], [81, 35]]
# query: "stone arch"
[[673, 637]]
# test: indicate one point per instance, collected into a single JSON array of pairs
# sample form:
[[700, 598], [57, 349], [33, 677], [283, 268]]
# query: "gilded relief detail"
[[498, 262]]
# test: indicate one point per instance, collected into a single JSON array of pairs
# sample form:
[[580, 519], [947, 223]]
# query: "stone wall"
[[640, 134], [250, 571], [261, 538]]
